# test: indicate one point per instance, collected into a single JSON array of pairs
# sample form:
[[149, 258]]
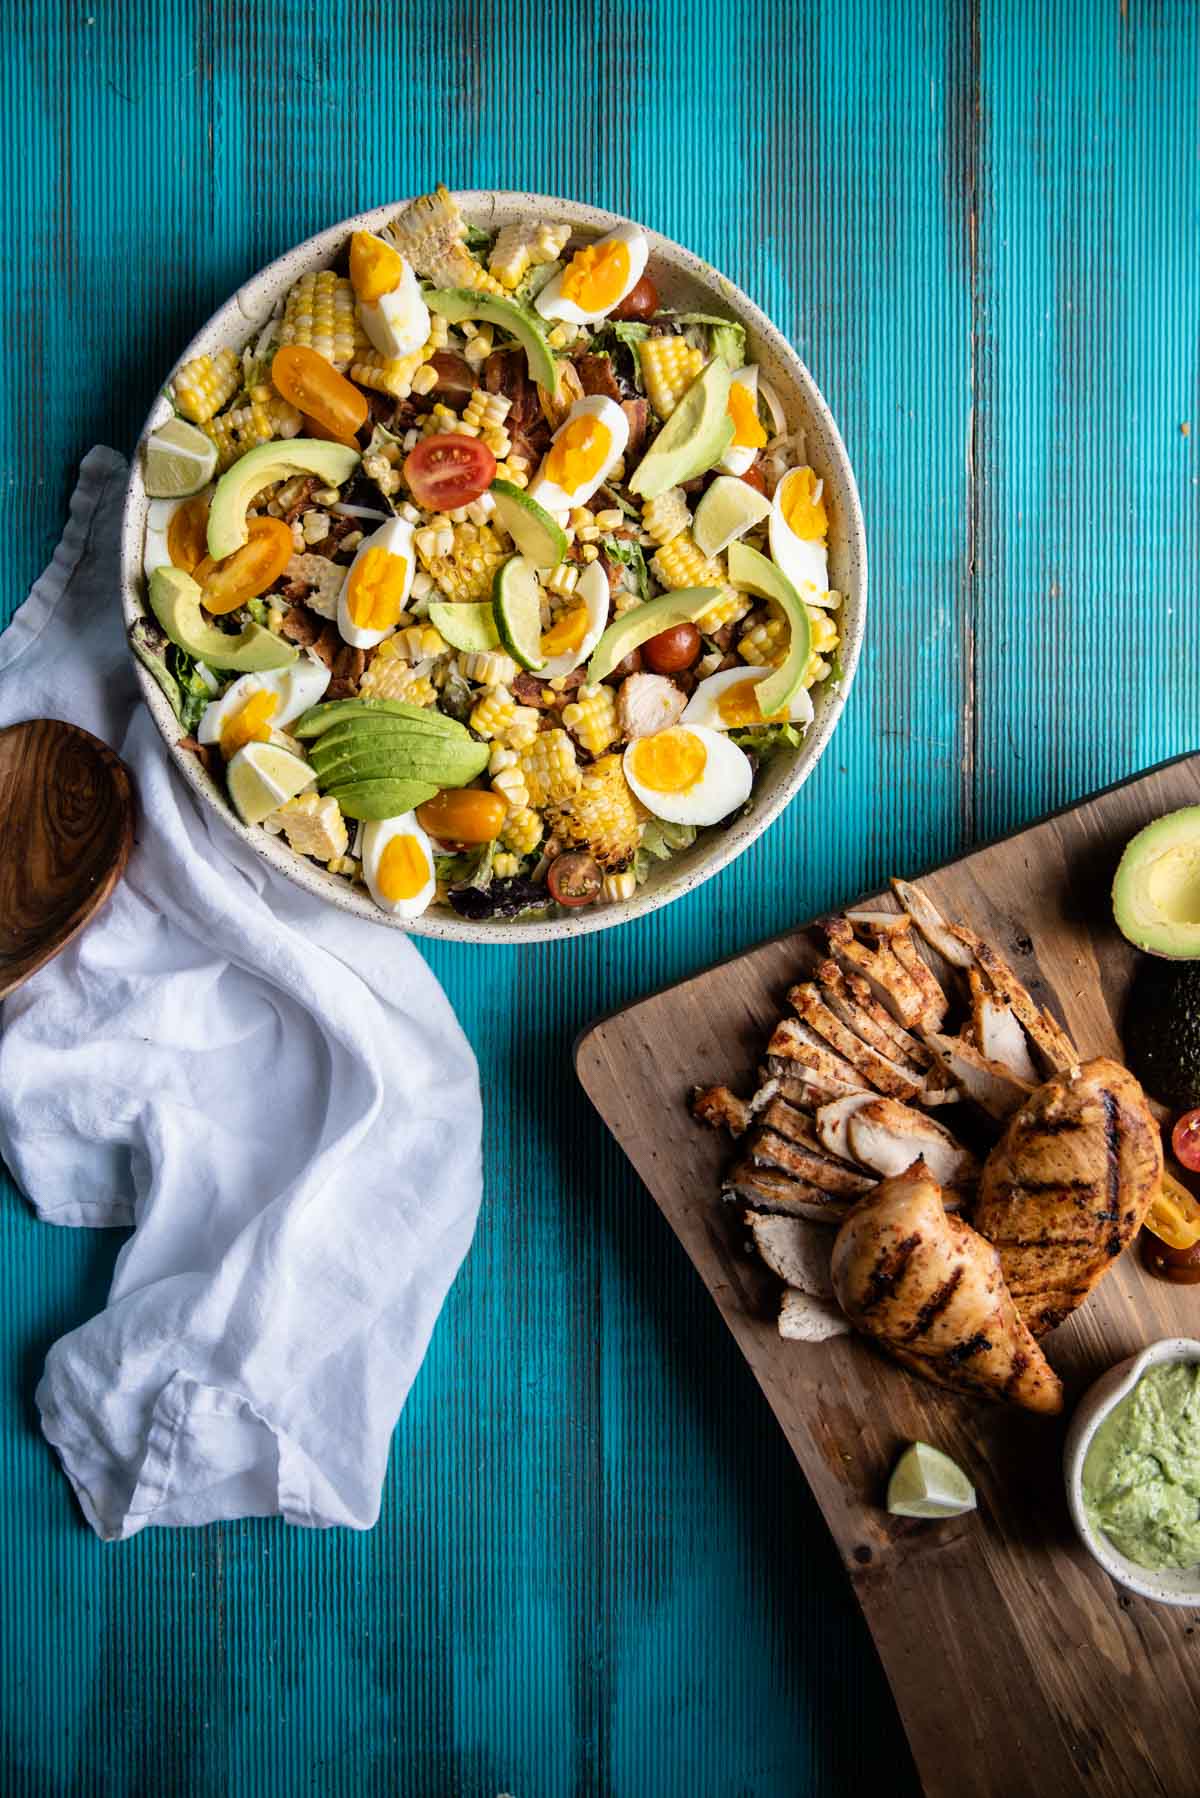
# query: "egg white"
[[704, 705], [739, 457], [592, 588], [373, 840], [804, 560], [159, 514], [396, 537], [723, 784], [557, 499], [398, 322], [296, 688], [551, 304]]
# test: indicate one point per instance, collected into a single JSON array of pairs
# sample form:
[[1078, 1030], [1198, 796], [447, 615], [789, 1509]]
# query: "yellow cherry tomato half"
[[187, 533], [463, 815], [249, 571], [315, 386]]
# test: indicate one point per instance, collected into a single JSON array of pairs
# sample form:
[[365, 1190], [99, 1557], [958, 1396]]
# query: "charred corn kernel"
[[764, 645], [520, 247], [619, 886], [667, 516], [315, 526], [592, 719], [485, 408], [562, 579], [731, 606], [488, 668], [497, 440], [461, 558], [522, 831], [314, 826], [245, 427], [549, 766], [559, 336], [430, 234], [601, 814], [510, 785], [494, 713], [816, 668], [669, 366], [625, 600], [680, 564], [505, 865], [481, 509], [424, 380], [205, 384], [320, 312], [387, 677], [612, 517], [418, 642], [520, 464]]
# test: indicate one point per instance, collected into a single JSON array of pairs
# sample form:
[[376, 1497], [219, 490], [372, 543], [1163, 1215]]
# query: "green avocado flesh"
[[369, 799], [414, 756], [751, 570], [175, 602], [1162, 1031], [458, 303], [634, 628], [696, 435], [333, 462], [370, 712], [1141, 1477], [1156, 892]]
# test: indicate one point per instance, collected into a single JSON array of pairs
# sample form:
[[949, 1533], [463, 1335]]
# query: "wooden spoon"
[[66, 829]]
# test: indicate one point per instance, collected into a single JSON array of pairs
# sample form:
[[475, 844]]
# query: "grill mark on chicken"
[[888, 1271], [1054, 1127], [1020, 1363], [966, 1351], [1112, 1151], [932, 1309]]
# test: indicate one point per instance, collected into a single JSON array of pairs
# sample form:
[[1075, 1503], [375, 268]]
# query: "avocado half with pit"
[[1156, 891], [333, 463], [175, 602]]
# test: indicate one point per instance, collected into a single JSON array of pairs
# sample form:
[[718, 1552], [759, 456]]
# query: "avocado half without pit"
[[380, 758]]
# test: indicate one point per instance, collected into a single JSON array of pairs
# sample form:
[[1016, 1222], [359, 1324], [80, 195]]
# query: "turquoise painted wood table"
[[597, 1569]]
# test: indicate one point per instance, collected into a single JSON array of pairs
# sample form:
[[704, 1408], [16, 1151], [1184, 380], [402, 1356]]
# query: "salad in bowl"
[[484, 575]]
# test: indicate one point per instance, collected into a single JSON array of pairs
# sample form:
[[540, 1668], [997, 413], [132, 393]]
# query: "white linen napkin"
[[275, 1093]]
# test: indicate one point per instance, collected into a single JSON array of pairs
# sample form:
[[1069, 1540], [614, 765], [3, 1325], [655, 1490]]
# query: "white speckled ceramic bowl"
[[684, 280], [1171, 1586]]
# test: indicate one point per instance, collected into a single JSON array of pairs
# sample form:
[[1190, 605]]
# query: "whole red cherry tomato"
[[1185, 1140], [640, 302], [672, 650]]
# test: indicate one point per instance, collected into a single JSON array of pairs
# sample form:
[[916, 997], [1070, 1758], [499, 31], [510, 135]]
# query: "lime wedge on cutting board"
[[927, 1483]]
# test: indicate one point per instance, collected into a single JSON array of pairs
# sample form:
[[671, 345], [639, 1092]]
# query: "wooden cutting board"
[[1017, 1665]]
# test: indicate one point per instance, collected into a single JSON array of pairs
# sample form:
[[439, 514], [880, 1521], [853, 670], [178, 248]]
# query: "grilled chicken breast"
[[1067, 1187], [930, 1290]]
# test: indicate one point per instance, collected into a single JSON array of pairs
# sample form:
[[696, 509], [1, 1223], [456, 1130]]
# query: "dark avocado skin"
[[1162, 1031]]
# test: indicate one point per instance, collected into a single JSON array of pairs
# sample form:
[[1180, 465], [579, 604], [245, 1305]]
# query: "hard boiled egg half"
[[597, 278], [176, 533], [585, 448], [377, 584], [749, 435], [257, 704], [397, 860], [393, 314], [729, 701], [798, 528], [579, 626], [689, 774]]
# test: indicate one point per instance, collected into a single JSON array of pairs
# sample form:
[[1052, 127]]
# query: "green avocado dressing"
[[1141, 1478]]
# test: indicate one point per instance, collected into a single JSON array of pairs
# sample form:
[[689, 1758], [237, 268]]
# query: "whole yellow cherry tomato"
[[463, 815]]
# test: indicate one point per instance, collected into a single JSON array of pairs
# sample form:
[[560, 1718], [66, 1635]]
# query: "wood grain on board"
[[1006, 1645]]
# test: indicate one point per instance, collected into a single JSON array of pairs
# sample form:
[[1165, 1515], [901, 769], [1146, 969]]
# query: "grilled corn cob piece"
[[592, 719], [521, 832], [680, 564], [619, 886], [669, 366], [466, 569], [764, 645], [430, 235], [520, 247], [245, 427], [314, 826], [507, 779], [397, 375], [205, 384], [549, 766], [601, 814], [667, 516], [504, 865], [320, 312], [387, 677], [488, 668], [325, 578]]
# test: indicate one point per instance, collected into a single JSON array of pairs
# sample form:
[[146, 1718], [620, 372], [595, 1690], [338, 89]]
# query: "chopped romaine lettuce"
[[767, 740], [187, 684], [257, 608], [629, 554], [619, 338], [722, 337], [478, 240]]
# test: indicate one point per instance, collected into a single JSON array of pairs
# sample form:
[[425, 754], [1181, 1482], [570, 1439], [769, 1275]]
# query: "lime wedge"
[[466, 624], [728, 510], [536, 534], [180, 460], [927, 1483], [263, 776], [517, 607]]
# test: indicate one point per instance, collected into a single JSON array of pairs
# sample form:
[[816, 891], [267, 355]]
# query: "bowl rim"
[[1170, 1585], [253, 300]]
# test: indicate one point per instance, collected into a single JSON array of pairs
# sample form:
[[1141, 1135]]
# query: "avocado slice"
[[696, 435], [752, 571], [1162, 1031], [634, 628], [1156, 892], [333, 462], [381, 798], [370, 712], [175, 602], [458, 303], [379, 733], [417, 757]]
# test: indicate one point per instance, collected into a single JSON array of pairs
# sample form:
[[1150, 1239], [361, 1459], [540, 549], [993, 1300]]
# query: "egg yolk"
[[803, 505], [375, 268], [403, 869], [187, 533], [251, 723], [737, 707], [743, 409], [670, 762], [376, 592], [579, 452], [597, 276], [567, 632]]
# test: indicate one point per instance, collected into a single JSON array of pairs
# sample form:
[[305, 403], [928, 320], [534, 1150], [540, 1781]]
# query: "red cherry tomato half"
[[574, 879], [446, 472], [754, 477], [1185, 1140], [315, 386], [672, 651], [640, 302]]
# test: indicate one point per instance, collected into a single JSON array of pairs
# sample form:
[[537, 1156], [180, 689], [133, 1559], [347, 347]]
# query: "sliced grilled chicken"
[[875, 1070], [800, 1085], [795, 1250], [998, 1036], [879, 923], [994, 1087], [721, 1109], [889, 1138], [894, 985], [767, 1148], [1067, 1187], [767, 1189], [793, 1041], [803, 1318], [833, 1123], [930, 1290], [933, 927], [849, 998], [800, 1127]]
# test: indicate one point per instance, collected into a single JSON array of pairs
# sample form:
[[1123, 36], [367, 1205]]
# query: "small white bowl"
[[1172, 1585]]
